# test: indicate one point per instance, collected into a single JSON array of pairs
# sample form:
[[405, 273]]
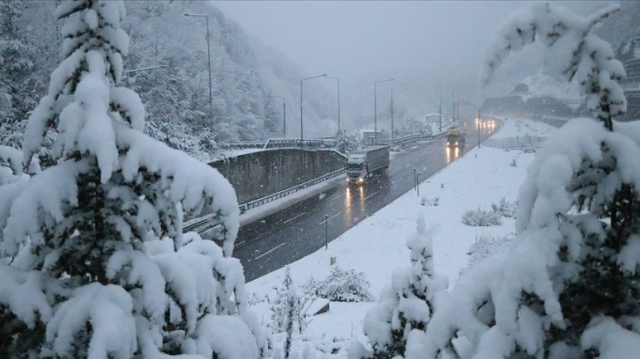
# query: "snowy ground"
[[376, 246]]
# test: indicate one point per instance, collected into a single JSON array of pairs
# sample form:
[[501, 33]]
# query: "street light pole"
[[478, 128], [453, 106], [392, 108], [375, 106], [336, 78], [301, 123], [284, 115], [209, 63], [440, 112]]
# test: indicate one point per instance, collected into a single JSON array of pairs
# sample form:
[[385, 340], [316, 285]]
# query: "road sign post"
[[415, 183], [326, 231]]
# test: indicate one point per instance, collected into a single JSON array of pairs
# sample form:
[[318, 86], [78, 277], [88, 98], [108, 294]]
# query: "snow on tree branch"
[[576, 52]]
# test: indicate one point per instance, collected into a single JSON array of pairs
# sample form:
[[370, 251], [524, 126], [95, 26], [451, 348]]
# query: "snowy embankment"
[[377, 245]]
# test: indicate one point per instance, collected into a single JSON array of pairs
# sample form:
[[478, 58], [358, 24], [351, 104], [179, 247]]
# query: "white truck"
[[363, 163]]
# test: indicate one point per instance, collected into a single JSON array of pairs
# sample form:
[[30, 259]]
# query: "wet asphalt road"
[[299, 230]]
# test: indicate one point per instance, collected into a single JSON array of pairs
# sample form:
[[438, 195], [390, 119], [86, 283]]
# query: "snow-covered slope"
[[376, 246]]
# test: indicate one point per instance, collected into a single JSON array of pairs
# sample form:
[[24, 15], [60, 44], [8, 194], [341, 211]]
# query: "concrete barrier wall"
[[258, 174]]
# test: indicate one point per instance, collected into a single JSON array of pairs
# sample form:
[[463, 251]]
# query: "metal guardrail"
[[241, 145], [293, 143], [275, 143], [272, 197], [408, 139], [201, 224], [206, 223], [515, 142]]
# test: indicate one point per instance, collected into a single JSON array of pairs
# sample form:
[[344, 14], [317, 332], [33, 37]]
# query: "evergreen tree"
[[407, 305], [570, 286], [287, 313], [93, 262]]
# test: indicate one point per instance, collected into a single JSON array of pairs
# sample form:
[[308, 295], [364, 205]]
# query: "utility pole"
[[440, 112], [208, 62], [391, 112], [453, 106], [478, 128]]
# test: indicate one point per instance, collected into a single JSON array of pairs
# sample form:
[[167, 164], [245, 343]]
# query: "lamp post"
[[440, 112], [375, 106], [209, 63], [478, 128], [284, 115], [301, 126], [338, 79], [453, 106], [392, 107]]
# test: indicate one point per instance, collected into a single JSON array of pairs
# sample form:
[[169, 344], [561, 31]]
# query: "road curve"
[[299, 230]]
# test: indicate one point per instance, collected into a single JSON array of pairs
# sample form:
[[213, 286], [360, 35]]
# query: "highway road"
[[297, 231]]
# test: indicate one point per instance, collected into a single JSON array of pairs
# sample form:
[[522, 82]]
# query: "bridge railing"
[[408, 139], [207, 222]]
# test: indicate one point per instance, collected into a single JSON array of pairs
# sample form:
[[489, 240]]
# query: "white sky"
[[422, 43]]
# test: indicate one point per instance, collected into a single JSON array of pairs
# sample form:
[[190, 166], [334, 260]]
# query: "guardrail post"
[[418, 186], [326, 231]]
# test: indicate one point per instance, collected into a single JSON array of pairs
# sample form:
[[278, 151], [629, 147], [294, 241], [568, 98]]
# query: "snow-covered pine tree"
[[293, 303], [570, 285], [287, 311], [93, 262], [407, 305]]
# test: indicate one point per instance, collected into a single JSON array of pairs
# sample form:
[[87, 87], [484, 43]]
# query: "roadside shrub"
[[485, 246], [481, 218], [505, 208], [288, 312], [340, 286], [430, 201]]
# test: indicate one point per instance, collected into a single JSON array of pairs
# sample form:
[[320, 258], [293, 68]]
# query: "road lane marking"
[[371, 195], [292, 218], [338, 196], [269, 251], [331, 217]]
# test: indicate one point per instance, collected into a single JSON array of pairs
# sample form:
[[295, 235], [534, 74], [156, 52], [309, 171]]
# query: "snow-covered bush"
[[505, 208], [430, 201], [346, 142], [481, 218], [406, 306], [513, 163], [93, 259], [569, 287], [486, 246], [340, 286]]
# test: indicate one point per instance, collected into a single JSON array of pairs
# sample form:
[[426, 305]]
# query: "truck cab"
[[455, 137], [366, 162], [356, 167]]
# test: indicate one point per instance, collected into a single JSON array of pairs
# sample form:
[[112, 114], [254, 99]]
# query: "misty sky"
[[422, 43]]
